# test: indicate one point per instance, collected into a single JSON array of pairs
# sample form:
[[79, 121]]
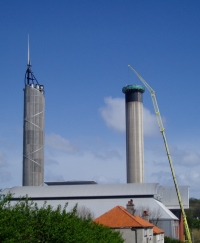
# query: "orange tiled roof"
[[157, 230], [118, 217]]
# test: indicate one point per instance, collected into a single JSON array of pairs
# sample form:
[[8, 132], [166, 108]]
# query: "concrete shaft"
[[134, 142], [134, 133], [33, 137]]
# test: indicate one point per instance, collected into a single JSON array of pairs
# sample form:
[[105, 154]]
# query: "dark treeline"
[[193, 214]]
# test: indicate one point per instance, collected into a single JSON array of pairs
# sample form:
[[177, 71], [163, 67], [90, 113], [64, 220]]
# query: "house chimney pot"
[[130, 207], [145, 215]]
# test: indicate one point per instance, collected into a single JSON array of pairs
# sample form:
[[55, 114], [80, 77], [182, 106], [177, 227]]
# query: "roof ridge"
[[125, 211], [119, 217], [132, 216]]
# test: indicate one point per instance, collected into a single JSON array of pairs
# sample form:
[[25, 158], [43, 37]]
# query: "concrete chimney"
[[33, 131], [130, 207], [145, 216], [134, 133]]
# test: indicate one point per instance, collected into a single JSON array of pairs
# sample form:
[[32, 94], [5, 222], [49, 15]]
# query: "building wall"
[[128, 235], [143, 235], [171, 227], [33, 139], [159, 238], [179, 215]]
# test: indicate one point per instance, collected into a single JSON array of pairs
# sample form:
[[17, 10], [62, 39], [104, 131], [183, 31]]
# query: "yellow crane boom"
[[162, 130]]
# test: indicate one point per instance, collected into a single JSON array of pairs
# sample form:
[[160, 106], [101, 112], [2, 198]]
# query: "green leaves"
[[169, 240], [26, 222]]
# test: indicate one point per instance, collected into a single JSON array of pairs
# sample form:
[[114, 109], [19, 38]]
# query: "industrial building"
[[98, 198], [101, 198]]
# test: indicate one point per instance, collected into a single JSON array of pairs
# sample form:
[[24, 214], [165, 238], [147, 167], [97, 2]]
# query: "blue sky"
[[80, 51]]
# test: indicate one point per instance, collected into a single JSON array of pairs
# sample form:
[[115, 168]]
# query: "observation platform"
[[133, 87]]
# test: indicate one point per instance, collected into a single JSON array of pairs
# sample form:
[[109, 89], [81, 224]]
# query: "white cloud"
[[150, 123], [100, 159], [186, 164], [162, 177], [91, 163], [113, 114], [182, 157], [191, 178], [56, 142], [187, 157]]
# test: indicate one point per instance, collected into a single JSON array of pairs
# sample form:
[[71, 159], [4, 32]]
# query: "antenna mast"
[[29, 60], [29, 77]]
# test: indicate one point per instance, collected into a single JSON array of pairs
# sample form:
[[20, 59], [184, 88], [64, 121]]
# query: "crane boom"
[[162, 130]]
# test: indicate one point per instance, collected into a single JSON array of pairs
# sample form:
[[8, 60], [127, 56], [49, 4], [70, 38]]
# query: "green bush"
[[26, 222], [170, 240]]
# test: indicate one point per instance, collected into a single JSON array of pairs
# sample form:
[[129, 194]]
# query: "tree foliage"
[[170, 240], [193, 214], [26, 222]]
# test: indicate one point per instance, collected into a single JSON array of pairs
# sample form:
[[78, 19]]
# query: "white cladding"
[[33, 139], [92, 190], [134, 142], [170, 199], [112, 194]]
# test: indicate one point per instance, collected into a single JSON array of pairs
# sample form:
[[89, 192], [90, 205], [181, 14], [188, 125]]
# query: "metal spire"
[[29, 77], [29, 59]]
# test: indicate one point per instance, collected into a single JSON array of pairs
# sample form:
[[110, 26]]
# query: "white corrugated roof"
[[84, 190], [167, 195]]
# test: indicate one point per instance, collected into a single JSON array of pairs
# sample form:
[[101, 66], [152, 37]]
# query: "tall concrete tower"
[[33, 133], [134, 133]]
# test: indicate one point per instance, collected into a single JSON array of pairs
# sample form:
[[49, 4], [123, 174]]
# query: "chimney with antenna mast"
[[33, 129]]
